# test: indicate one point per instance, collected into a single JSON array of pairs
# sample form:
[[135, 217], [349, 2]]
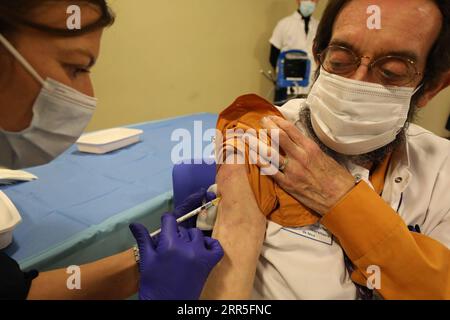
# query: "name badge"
[[315, 232]]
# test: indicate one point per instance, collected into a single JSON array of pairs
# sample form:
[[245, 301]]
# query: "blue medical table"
[[80, 207]]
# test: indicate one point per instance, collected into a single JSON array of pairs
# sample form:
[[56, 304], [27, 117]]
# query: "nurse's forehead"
[[54, 13], [405, 24]]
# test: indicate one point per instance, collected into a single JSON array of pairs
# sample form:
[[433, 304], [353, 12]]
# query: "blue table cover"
[[80, 207]]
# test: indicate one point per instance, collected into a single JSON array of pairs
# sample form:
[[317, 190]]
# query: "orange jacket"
[[275, 203]]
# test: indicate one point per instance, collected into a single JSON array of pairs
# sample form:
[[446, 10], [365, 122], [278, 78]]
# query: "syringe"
[[191, 214]]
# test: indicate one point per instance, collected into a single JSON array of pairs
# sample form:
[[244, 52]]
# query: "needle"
[[191, 214]]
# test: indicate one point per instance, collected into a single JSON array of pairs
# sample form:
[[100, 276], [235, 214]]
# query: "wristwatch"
[[137, 256]]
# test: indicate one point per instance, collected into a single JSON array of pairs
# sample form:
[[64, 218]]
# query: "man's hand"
[[309, 175]]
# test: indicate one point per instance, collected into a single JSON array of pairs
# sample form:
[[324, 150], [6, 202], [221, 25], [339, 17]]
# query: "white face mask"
[[307, 7], [60, 115], [354, 117]]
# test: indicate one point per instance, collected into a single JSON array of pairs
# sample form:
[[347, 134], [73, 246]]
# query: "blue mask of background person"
[[307, 8]]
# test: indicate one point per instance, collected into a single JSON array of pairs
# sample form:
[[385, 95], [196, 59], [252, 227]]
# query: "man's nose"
[[363, 73]]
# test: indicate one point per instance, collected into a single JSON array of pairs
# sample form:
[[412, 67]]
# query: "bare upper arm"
[[240, 227]]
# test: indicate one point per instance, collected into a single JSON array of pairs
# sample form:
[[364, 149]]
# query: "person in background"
[[295, 32]]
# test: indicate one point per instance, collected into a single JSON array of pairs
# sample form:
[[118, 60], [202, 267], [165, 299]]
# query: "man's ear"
[[430, 93]]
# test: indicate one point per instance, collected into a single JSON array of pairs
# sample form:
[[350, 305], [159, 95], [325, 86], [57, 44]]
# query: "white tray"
[[9, 219], [105, 141]]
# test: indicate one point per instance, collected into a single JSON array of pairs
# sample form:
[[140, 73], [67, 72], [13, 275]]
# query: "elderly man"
[[379, 184]]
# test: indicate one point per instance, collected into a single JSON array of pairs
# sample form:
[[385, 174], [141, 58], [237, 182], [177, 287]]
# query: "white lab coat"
[[289, 34], [417, 186]]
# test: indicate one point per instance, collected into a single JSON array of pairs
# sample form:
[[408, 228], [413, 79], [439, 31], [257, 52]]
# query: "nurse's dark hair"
[[15, 14], [438, 61]]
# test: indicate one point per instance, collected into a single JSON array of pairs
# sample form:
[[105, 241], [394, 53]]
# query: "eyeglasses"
[[389, 70]]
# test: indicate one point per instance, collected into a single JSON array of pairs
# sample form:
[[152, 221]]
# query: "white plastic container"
[[9, 219], [105, 141]]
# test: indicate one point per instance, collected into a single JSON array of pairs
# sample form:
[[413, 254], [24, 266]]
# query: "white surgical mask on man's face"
[[60, 115], [354, 117]]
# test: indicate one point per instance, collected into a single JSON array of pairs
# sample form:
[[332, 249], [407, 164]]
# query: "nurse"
[[46, 101]]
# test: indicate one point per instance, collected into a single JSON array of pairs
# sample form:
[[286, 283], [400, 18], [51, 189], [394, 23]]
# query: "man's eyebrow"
[[403, 53], [398, 53], [81, 51], [345, 44]]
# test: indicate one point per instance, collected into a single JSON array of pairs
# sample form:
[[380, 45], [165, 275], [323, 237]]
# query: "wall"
[[168, 58], [434, 116]]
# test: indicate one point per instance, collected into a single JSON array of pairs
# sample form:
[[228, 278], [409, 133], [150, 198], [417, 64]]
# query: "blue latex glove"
[[194, 201], [175, 268], [191, 203]]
